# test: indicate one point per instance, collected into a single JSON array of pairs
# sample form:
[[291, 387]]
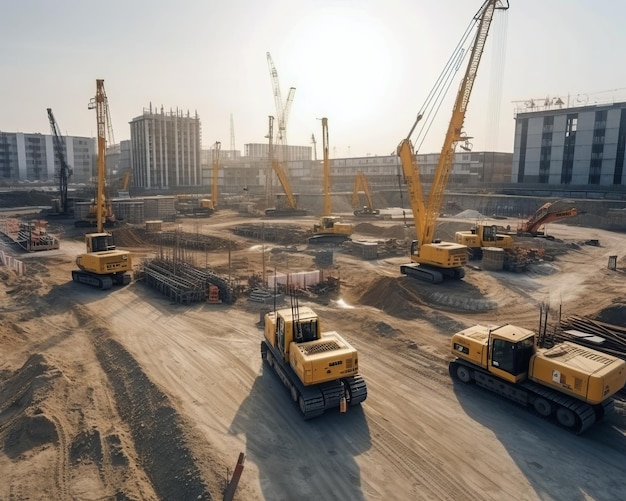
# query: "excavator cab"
[[98, 242]]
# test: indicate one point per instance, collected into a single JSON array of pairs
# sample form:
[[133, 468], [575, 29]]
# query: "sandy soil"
[[123, 395]]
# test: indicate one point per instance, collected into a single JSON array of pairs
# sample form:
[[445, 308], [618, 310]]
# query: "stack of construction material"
[[184, 283], [601, 336], [160, 207]]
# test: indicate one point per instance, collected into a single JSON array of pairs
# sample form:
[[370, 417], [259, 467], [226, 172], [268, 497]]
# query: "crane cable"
[[433, 102]]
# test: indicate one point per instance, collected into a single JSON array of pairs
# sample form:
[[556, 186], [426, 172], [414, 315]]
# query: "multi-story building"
[[286, 153], [165, 149], [31, 157], [581, 146], [470, 169]]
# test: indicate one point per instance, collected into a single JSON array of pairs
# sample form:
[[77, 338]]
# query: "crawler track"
[[568, 412]]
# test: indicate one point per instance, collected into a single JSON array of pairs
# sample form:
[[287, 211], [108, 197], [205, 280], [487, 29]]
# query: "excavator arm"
[[282, 178]]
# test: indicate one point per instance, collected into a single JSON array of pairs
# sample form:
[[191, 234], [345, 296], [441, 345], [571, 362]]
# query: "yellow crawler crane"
[[330, 229], [102, 265], [432, 259], [320, 369], [567, 382], [361, 184]]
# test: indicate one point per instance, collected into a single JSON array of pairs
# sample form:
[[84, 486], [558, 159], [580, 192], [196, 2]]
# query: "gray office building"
[[31, 157], [571, 146]]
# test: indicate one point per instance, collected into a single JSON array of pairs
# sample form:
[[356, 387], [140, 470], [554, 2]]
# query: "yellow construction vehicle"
[[102, 265], [568, 382], [361, 184], [547, 213], [482, 235], [330, 229], [432, 260], [282, 209], [320, 369]]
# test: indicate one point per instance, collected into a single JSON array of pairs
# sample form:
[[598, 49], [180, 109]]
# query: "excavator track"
[[101, 282], [568, 412], [422, 273]]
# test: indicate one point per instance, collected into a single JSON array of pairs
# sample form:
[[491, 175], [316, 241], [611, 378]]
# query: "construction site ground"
[[122, 394]]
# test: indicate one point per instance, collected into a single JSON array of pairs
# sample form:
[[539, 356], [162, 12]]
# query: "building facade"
[[571, 146], [31, 157], [165, 150]]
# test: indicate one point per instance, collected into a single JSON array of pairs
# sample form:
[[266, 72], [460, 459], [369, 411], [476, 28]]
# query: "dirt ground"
[[123, 395]]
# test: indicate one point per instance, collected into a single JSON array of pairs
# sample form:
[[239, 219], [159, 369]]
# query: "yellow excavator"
[[567, 382], [547, 213], [361, 185], [102, 265], [483, 235], [330, 230], [320, 369], [432, 259]]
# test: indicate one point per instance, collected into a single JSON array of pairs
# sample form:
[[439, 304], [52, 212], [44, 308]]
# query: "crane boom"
[[327, 201], [454, 133], [440, 258], [64, 170], [101, 107]]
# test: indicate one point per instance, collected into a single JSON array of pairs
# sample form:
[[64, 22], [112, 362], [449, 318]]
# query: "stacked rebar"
[[184, 283]]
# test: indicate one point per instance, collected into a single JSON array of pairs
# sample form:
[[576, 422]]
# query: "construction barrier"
[[11, 262]]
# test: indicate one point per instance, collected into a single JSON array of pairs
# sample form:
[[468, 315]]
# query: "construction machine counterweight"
[[320, 369]]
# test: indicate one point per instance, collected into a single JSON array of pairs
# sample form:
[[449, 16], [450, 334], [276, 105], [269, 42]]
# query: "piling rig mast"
[[64, 170]]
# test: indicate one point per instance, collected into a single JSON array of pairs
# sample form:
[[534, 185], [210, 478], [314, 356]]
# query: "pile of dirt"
[[384, 294], [398, 231], [156, 428], [23, 423], [469, 214]]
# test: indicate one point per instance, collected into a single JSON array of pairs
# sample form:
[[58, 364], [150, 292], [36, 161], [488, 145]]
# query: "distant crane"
[[314, 143], [64, 170], [282, 109], [232, 136]]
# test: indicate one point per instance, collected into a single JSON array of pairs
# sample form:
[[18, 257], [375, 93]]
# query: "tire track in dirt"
[[430, 480], [62, 466], [155, 426]]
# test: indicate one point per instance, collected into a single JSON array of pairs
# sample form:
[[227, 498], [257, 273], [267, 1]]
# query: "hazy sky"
[[366, 65]]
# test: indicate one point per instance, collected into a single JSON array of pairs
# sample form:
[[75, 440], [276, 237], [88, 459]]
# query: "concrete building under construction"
[[165, 149]]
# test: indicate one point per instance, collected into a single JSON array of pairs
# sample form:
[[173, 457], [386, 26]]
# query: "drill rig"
[[102, 265]]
